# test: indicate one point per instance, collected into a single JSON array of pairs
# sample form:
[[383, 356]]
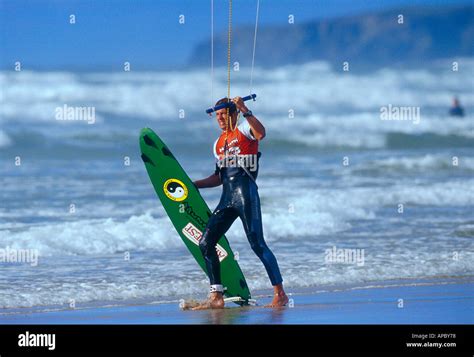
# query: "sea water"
[[336, 179]]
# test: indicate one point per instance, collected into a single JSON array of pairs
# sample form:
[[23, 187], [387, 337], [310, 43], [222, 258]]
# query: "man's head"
[[221, 114]]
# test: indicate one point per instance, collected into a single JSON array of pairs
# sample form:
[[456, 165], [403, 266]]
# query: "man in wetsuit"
[[236, 151]]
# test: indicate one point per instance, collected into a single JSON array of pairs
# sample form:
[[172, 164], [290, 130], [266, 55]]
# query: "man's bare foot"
[[215, 301], [280, 298]]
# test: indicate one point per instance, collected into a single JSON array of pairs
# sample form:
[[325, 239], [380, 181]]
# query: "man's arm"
[[258, 130], [211, 181]]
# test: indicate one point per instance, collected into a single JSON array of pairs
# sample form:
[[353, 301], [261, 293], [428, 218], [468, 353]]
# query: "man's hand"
[[239, 103]]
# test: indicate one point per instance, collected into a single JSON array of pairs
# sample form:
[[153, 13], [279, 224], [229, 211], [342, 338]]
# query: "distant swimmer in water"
[[456, 109]]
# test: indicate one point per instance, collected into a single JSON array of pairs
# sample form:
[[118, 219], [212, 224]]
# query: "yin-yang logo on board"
[[175, 190]]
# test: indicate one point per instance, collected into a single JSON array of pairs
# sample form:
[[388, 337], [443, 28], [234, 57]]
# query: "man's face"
[[221, 116]]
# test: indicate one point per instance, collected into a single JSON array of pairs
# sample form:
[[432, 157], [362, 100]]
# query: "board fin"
[[240, 301], [166, 151], [147, 159], [149, 142]]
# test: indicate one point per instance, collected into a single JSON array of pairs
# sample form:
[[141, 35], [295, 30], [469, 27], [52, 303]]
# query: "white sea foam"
[[92, 251], [173, 278], [64, 292], [363, 129], [86, 237], [309, 88], [328, 211], [424, 162], [291, 215]]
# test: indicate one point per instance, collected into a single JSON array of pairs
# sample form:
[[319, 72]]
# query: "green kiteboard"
[[188, 211]]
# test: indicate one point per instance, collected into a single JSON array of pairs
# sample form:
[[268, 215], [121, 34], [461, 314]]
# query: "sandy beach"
[[447, 301]]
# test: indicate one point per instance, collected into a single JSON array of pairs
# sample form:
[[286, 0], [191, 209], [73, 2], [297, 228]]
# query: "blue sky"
[[145, 32]]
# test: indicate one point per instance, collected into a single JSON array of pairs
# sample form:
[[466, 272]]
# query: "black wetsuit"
[[239, 199]]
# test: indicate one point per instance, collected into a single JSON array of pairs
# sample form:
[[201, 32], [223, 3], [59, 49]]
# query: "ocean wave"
[[361, 202], [152, 278], [340, 110], [294, 215], [433, 162], [465, 230], [92, 237], [367, 130], [29, 96]]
